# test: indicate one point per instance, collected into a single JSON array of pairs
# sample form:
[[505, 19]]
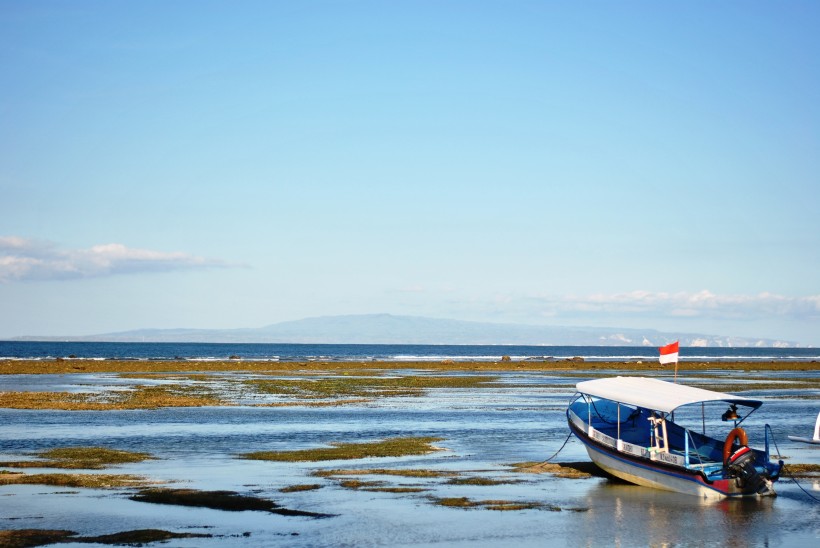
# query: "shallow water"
[[484, 430]]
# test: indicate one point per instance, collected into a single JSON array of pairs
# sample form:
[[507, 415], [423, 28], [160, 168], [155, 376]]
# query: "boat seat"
[[716, 471], [696, 458]]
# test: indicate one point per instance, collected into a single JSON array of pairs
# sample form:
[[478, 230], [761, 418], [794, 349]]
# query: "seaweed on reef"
[[89, 481], [570, 470], [497, 505], [28, 538], [88, 458], [229, 501], [391, 447]]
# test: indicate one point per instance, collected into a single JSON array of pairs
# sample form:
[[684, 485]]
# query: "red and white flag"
[[669, 353]]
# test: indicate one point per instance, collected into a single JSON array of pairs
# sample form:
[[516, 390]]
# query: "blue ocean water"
[[389, 352]]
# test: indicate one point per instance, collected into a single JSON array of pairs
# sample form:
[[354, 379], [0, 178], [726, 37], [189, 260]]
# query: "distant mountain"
[[390, 329]]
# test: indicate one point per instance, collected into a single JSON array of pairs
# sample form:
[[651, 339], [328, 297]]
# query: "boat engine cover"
[[741, 464]]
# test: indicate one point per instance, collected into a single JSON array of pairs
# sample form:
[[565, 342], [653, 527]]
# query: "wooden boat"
[[628, 427], [815, 440]]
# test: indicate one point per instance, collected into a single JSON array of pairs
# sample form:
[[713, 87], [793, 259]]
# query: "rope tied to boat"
[[783, 469], [559, 450], [562, 445]]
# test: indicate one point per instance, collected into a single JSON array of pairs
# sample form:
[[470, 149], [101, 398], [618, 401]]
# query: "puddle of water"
[[484, 430]]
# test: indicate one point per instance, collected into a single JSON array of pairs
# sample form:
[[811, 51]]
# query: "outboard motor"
[[741, 464]]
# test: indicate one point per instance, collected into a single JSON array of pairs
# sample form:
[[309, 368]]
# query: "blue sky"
[[235, 164]]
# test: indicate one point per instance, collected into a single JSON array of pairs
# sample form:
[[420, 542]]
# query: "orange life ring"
[[736, 434]]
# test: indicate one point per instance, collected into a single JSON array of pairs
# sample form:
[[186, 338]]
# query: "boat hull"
[[657, 475], [805, 440]]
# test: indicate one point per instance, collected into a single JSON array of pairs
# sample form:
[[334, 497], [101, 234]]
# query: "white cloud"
[[412, 289], [25, 259], [701, 304], [640, 304]]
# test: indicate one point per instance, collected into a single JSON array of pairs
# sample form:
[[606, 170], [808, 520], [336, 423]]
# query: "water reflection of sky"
[[484, 430]]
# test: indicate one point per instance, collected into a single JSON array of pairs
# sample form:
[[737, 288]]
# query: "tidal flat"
[[363, 453]]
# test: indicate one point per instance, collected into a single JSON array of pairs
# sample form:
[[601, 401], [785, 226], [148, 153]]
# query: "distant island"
[[395, 329]]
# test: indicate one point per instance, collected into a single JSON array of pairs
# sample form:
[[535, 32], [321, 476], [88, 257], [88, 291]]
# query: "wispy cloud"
[[412, 289], [632, 306], [27, 259], [700, 304]]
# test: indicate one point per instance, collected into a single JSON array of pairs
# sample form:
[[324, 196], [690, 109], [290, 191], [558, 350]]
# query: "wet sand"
[[480, 483]]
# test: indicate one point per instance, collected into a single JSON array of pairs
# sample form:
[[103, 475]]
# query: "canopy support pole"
[[703, 417]]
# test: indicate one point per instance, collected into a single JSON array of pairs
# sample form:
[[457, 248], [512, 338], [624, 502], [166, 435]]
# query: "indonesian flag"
[[669, 353]]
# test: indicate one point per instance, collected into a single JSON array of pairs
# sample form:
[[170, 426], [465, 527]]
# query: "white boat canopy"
[[655, 394]]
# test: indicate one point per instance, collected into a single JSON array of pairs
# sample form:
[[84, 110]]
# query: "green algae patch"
[[569, 470], [196, 377], [397, 490], [140, 397], [377, 486], [456, 502], [26, 538], [364, 387], [299, 488], [359, 484], [89, 481], [481, 481], [93, 457], [138, 537], [511, 505], [63, 401], [228, 501], [152, 397], [302, 403], [403, 472], [391, 447], [496, 505], [88, 458], [802, 470]]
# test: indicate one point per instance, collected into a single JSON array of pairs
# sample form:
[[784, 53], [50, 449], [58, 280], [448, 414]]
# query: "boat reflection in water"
[[638, 516]]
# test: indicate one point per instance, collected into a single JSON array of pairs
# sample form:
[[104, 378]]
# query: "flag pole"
[[677, 358]]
